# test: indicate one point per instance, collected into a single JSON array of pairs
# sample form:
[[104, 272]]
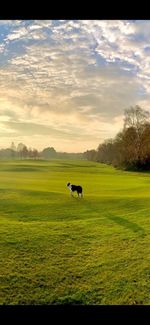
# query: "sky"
[[66, 83]]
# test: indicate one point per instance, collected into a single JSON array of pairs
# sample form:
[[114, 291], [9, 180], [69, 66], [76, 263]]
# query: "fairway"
[[58, 249]]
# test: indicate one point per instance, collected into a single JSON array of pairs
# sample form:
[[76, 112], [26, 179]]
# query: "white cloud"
[[72, 77]]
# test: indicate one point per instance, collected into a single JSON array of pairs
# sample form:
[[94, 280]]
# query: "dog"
[[75, 188]]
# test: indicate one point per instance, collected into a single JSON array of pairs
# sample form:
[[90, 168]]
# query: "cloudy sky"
[[66, 83]]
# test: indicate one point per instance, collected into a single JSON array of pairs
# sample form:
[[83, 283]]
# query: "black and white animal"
[[75, 188]]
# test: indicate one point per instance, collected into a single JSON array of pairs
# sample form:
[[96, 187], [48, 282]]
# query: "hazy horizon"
[[40, 149], [65, 84]]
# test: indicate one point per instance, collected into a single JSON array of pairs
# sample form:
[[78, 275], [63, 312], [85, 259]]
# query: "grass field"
[[56, 249]]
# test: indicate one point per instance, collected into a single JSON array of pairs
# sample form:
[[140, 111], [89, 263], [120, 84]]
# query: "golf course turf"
[[58, 249]]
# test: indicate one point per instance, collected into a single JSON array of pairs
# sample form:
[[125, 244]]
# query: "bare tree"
[[130, 149], [135, 117]]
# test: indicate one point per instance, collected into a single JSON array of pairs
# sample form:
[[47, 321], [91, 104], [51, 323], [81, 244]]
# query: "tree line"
[[130, 149], [23, 152]]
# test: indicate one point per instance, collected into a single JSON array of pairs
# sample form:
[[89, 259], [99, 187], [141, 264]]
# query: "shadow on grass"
[[127, 224]]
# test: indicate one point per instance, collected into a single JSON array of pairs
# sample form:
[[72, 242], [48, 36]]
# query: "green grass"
[[55, 249]]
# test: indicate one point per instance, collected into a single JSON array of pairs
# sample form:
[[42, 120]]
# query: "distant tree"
[[68, 155], [62, 155], [35, 153], [49, 153], [20, 146], [105, 152], [13, 150], [30, 152], [19, 149], [6, 153], [24, 152], [90, 154], [13, 147]]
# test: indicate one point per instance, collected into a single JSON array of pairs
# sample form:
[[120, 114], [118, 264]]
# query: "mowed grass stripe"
[[56, 249]]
